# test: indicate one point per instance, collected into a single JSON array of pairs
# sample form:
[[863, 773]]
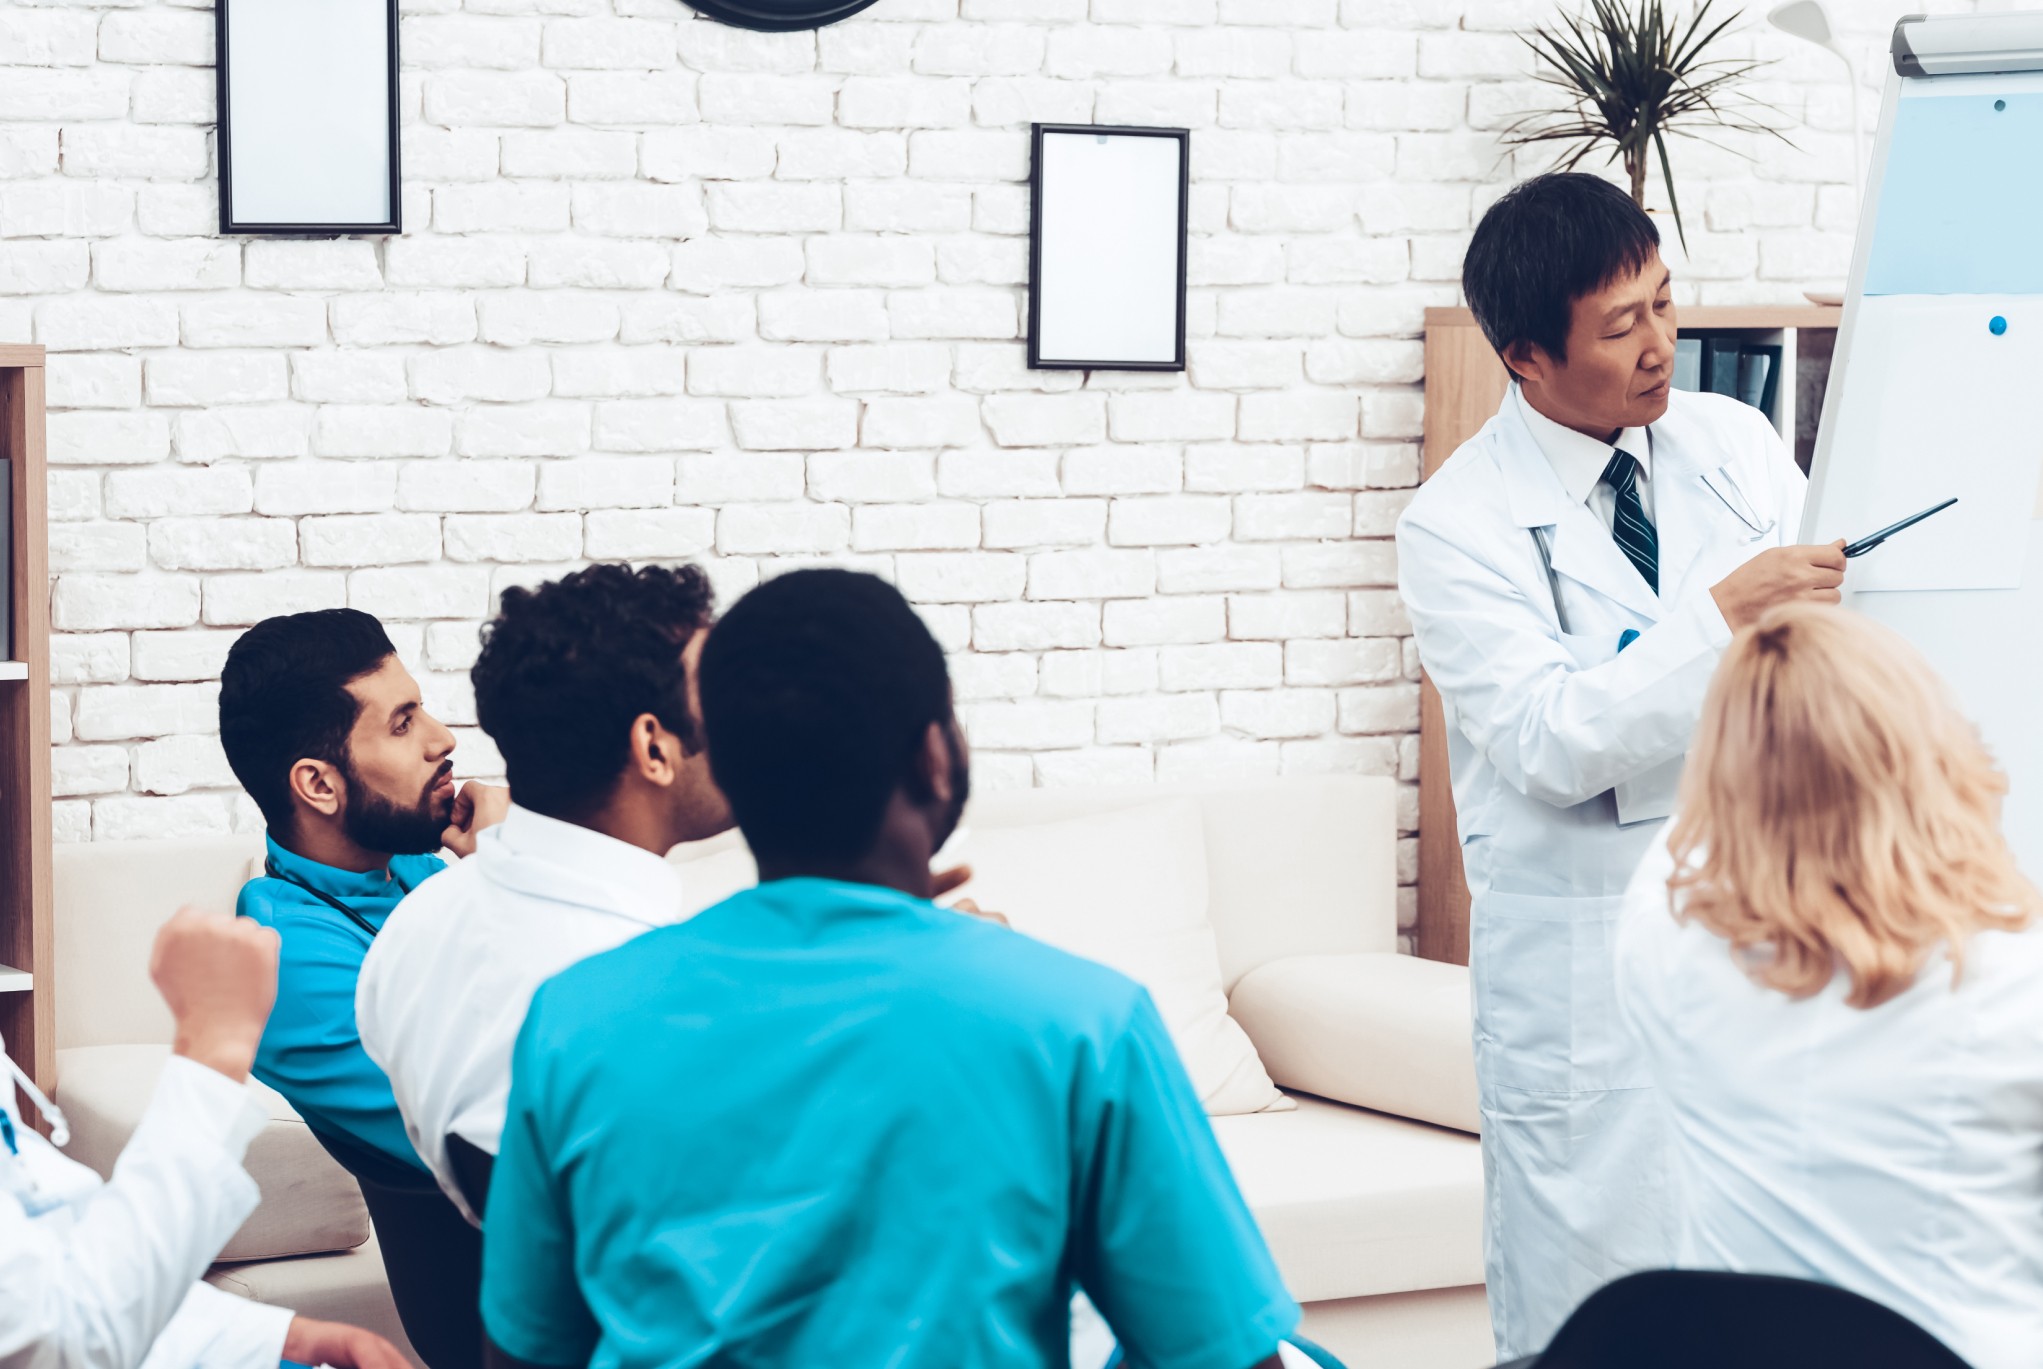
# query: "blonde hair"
[[1838, 812]]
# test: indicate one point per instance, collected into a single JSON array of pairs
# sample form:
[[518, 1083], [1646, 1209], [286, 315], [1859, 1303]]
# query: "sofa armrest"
[[1383, 1031]]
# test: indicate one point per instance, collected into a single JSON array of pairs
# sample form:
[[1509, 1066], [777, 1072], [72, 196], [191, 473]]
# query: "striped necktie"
[[1632, 529]]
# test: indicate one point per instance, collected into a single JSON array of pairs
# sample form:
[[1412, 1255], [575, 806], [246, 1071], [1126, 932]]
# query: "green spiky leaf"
[[1633, 78]]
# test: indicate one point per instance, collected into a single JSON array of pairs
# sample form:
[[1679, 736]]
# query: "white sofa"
[[1373, 1215]]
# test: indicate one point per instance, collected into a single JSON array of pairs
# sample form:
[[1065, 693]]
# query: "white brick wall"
[[670, 289]]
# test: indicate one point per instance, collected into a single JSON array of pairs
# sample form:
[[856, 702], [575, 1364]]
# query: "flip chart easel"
[[1937, 383]]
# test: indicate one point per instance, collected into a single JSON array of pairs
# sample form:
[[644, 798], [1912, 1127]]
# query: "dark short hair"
[[1544, 245], [284, 697], [818, 689], [566, 667]]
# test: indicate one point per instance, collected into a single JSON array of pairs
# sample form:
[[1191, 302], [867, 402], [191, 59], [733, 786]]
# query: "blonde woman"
[[1831, 963]]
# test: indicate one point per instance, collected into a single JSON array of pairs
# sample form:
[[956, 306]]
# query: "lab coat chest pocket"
[[1546, 1004]]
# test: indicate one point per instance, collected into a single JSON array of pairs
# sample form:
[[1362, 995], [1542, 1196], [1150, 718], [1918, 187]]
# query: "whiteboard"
[[1107, 263], [307, 140], [1930, 398]]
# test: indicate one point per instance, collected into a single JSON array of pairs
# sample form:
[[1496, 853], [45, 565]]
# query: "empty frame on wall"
[[308, 116], [1107, 247]]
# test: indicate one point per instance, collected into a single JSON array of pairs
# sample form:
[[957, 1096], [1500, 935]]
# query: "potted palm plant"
[[1634, 77]]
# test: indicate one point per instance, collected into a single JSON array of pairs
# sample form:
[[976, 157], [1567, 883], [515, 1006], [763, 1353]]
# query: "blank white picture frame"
[[308, 116], [1107, 247]]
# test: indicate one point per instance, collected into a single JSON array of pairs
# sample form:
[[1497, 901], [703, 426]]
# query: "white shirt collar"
[[1578, 459], [548, 858]]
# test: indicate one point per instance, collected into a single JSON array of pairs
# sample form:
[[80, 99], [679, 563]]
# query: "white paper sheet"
[[1108, 288], [308, 90], [1938, 405]]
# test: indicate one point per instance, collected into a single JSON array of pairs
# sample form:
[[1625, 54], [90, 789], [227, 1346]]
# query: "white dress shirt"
[[1580, 460], [445, 985], [105, 1275], [1895, 1151]]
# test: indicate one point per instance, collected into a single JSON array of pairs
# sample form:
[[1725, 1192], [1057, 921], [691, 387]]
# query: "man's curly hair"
[[566, 668]]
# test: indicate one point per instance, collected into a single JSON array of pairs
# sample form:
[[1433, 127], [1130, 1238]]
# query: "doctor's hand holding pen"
[[1780, 575]]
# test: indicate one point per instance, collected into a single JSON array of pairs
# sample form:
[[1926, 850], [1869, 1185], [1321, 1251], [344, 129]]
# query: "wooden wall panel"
[[1464, 384]]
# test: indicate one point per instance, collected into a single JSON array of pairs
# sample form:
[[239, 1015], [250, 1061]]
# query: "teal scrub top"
[[831, 1124], [311, 1051]]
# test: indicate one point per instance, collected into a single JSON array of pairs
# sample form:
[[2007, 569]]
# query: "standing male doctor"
[[1572, 574]]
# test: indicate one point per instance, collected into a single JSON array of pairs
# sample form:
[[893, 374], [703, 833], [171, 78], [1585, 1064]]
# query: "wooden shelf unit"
[[27, 951], [1464, 384]]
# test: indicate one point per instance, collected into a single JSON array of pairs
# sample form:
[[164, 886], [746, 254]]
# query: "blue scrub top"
[[830, 1124], [311, 1050]]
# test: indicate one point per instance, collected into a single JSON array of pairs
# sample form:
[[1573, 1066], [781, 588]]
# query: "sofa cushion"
[[1380, 1030], [348, 1287], [1128, 889], [1355, 1203], [309, 1203]]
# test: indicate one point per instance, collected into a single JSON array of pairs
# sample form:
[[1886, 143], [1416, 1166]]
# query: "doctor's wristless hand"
[[1780, 575], [343, 1347], [476, 806], [219, 976], [944, 881]]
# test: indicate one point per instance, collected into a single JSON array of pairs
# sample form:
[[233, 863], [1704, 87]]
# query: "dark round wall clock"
[[779, 16]]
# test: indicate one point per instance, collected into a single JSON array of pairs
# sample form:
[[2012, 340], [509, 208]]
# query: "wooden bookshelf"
[[1464, 384], [27, 1004]]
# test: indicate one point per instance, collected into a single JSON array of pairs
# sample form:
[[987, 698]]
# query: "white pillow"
[[1127, 888]]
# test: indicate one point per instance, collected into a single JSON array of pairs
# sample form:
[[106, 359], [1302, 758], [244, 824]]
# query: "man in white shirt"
[[105, 1275], [585, 684]]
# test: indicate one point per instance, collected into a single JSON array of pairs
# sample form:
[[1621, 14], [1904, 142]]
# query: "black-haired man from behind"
[[327, 732], [584, 684], [828, 1122]]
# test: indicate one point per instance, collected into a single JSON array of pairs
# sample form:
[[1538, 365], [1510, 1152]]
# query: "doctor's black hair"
[[818, 689], [566, 667], [284, 698], [1545, 244]]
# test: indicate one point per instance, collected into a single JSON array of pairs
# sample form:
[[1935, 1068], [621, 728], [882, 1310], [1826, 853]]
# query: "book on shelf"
[[1746, 371], [1688, 363], [1759, 366], [1720, 365]]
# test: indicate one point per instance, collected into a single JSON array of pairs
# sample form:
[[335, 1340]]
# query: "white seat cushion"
[[310, 1205], [349, 1287], [1355, 1203]]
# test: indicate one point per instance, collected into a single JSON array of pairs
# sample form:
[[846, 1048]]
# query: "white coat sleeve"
[[1555, 730], [93, 1285], [217, 1330]]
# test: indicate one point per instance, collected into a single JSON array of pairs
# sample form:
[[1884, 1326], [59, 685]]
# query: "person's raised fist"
[[219, 976]]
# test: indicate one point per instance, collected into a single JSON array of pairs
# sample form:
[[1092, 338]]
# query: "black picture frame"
[[786, 16], [1037, 133], [229, 225]]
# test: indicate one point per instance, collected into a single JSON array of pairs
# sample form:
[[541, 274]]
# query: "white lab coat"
[[1896, 1151], [1552, 733], [105, 1275]]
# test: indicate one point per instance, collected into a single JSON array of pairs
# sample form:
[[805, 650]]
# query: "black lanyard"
[[270, 868]]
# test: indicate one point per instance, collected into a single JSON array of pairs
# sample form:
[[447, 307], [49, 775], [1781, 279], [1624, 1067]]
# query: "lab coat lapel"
[[1583, 549], [1683, 506]]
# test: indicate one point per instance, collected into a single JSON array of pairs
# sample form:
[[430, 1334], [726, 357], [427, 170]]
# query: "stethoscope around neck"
[[1542, 537], [270, 868]]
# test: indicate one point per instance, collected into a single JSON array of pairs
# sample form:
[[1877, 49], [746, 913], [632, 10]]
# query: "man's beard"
[[374, 823]]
